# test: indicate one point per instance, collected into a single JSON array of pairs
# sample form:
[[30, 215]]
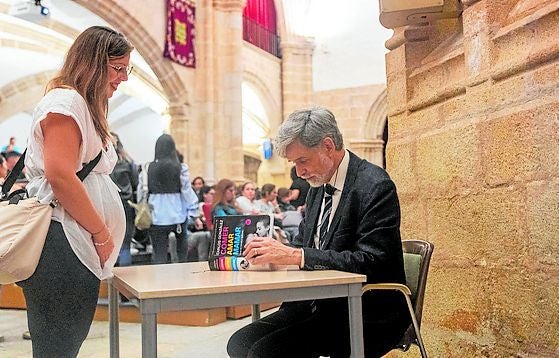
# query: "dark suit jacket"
[[364, 237]]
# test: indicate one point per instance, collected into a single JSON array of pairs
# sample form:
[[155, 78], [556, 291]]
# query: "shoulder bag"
[[24, 223]]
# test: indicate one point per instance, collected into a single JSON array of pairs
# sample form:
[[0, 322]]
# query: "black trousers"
[[298, 331], [159, 235], [61, 298]]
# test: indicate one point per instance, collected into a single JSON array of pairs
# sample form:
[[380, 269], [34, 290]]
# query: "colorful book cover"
[[229, 236]]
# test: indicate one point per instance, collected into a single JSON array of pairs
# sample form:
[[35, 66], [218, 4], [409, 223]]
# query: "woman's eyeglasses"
[[122, 69]]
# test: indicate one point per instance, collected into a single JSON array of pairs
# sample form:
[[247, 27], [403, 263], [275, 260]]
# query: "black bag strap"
[[84, 172], [18, 168], [12, 177]]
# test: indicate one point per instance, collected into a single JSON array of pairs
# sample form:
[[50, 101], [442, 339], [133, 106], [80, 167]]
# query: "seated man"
[[352, 224]]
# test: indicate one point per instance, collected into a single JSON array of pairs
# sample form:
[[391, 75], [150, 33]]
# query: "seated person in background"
[[291, 216], [11, 147], [199, 241], [268, 203], [352, 224], [11, 159], [299, 189], [246, 200], [3, 169], [224, 199], [284, 196], [205, 206], [197, 184]]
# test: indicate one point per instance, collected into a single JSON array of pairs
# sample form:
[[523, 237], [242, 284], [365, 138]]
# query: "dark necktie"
[[329, 190]]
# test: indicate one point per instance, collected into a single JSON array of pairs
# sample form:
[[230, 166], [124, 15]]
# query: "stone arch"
[[376, 118], [371, 145], [23, 94], [272, 108], [119, 17], [273, 111]]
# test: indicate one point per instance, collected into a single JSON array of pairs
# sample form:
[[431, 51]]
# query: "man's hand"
[[265, 250]]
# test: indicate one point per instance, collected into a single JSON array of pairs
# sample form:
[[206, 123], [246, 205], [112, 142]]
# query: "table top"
[[195, 278]]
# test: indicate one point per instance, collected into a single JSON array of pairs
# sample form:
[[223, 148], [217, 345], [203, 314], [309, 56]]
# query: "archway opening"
[[256, 130]]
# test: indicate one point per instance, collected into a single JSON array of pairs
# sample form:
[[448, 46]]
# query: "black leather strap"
[[16, 171], [89, 167], [12, 177]]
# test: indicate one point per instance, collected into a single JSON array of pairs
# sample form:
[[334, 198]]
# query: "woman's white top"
[[247, 206], [265, 207], [102, 191]]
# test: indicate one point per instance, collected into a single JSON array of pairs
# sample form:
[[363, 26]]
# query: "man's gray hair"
[[310, 126]]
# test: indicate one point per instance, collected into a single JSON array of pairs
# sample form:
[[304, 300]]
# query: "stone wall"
[[354, 109], [473, 107]]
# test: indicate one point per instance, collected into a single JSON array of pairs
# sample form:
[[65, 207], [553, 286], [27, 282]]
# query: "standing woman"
[[172, 199], [70, 128]]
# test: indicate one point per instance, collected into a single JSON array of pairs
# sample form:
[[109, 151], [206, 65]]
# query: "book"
[[229, 236]]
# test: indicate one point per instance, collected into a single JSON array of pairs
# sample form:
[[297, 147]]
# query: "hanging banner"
[[179, 41]]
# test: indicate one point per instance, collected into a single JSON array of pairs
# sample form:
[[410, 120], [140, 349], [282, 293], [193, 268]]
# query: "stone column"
[[179, 126], [370, 149], [296, 74], [218, 89], [228, 76], [205, 90], [297, 89]]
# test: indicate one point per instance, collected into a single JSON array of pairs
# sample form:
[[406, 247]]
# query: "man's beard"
[[320, 179], [315, 182]]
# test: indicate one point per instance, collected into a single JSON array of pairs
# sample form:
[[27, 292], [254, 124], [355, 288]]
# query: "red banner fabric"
[[179, 41], [263, 12]]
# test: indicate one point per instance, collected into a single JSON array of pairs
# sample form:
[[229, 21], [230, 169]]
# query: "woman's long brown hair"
[[220, 189], [86, 70]]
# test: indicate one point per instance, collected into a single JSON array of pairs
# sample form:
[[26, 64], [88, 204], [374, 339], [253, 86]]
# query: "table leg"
[[113, 320], [255, 312], [356, 326], [149, 335]]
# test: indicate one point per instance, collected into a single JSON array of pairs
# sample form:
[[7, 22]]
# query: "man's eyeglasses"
[[122, 69]]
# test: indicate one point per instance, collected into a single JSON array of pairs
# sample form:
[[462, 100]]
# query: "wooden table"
[[187, 286]]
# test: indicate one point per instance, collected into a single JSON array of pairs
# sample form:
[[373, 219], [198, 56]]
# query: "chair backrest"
[[417, 256]]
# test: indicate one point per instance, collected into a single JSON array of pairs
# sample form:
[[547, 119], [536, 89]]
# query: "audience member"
[[352, 224], [205, 207], [11, 147], [197, 184], [224, 199], [284, 196], [299, 189], [125, 176], [268, 203], [246, 200], [11, 159], [291, 216], [3, 169], [69, 128]]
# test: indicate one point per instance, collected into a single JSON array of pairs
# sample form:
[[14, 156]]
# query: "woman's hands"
[[104, 245]]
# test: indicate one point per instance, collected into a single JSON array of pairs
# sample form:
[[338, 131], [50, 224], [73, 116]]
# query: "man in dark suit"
[[352, 224]]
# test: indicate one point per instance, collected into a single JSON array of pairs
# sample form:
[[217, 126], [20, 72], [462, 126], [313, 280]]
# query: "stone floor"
[[173, 341]]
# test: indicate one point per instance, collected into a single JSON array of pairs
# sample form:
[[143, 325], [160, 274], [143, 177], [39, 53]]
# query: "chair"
[[417, 255]]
